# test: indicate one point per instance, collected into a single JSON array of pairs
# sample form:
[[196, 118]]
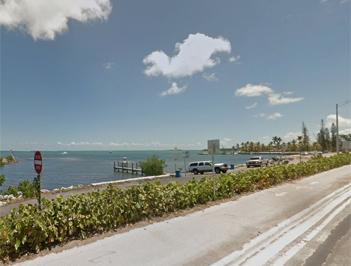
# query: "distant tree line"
[[326, 141]]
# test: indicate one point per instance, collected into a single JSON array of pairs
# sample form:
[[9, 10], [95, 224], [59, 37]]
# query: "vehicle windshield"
[[255, 158]]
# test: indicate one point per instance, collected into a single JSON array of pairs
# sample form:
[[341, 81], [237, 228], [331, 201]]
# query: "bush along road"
[[29, 230]]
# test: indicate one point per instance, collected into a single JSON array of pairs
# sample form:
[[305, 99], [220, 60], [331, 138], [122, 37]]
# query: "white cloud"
[[109, 65], [273, 98], [336, 1], [253, 90], [272, 116], [276, 99], [234, 59], [290, 136], [210, 77], [193, 55], [154, 145], [344, 123], [43, 19], [76, 145], [345, 131], [251, 106], [126, 144], [227, 142], [80, 143], [174, 89]]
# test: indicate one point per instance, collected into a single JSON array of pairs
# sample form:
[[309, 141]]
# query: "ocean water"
[[63, 169]]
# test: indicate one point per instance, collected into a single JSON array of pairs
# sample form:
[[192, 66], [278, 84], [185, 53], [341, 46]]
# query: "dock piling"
[[128, 167]]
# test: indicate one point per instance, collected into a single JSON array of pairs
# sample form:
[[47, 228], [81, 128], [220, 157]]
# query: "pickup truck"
[[256, 161]]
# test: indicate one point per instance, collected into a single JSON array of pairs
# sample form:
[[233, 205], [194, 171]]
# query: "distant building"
[[213, 146]]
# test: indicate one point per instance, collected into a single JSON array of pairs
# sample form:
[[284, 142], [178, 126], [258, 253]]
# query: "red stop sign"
[[38, 162]]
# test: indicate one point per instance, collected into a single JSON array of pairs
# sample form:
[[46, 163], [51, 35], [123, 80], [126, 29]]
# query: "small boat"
[[63, 153]]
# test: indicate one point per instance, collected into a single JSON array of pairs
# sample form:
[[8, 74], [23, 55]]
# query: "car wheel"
[[195, 171], [217, 170]]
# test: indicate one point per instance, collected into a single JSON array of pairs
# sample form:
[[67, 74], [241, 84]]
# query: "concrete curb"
[[143, 178]]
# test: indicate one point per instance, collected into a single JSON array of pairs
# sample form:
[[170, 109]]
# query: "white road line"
[[296, 248], [256, 244], [268, 244], [281, 194], [290, 235]]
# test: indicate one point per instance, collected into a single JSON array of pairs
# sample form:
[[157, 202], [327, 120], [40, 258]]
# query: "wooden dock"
[[127, 167]]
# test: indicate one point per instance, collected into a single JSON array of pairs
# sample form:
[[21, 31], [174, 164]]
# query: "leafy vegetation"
[[27, 188], [152, 166], [27, 229], [326, 141], [2, 179], [11, 191]]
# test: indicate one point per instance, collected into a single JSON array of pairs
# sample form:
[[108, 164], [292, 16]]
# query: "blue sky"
[[112, 77]]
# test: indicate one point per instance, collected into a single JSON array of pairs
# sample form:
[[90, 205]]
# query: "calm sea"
[[63, 169]]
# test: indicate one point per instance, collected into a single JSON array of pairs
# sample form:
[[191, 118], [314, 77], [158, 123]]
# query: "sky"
[[120, 75]]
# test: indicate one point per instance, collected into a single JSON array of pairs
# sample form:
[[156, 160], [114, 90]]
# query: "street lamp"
[[337, 123]]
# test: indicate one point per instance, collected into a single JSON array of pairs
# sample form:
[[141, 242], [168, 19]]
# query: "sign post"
[[38, 167], [213, 148], [186, 156]]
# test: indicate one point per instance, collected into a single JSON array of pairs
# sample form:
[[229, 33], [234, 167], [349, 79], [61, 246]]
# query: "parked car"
[[220, 167], [256, 161], [206, 166]]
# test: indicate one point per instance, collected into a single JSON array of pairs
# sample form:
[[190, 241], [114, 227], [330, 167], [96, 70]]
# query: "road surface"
[[306, 222]]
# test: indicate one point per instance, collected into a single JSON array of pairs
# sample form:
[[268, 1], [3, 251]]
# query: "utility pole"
[[213, 151], [337, 128]]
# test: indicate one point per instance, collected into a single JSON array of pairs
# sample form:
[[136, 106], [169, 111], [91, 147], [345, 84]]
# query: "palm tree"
[[293, 145], [276, 141]]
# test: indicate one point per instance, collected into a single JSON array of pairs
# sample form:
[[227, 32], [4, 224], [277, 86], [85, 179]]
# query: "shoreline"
[[7, 160], [124, 183], [168, 177]]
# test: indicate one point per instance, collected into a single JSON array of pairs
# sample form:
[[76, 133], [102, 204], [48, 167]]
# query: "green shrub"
[[152, 166], [2, 179], [27, 229], [27, 188], [11, 190]]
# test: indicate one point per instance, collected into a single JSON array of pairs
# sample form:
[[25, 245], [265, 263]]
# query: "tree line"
[[325, 141]]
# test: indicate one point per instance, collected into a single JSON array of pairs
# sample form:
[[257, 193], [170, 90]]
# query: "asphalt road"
[[306, 222]]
